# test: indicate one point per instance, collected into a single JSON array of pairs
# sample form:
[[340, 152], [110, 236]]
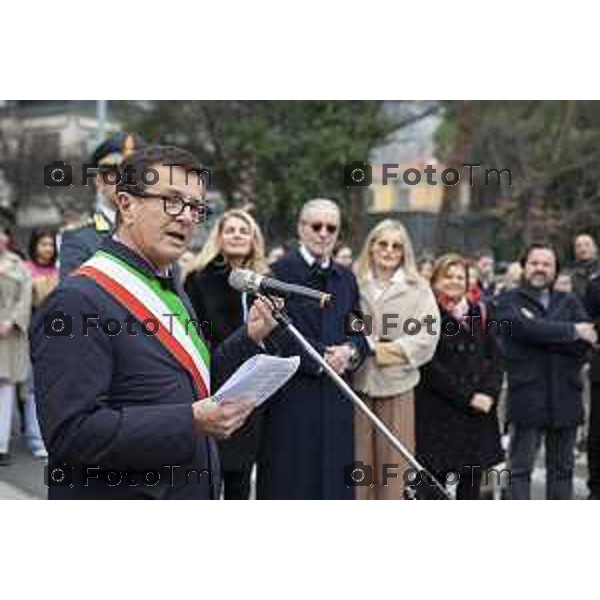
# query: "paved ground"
[[24, 478], [10, 492]]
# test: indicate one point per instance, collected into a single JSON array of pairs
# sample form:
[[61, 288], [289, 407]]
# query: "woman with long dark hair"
[[42, 264]]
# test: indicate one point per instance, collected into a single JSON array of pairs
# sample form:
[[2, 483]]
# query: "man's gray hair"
[[318, 204]]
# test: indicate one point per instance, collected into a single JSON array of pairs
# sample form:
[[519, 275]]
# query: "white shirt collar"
[[310, 259]]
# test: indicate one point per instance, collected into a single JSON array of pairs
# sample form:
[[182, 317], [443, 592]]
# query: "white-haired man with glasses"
[[308, 433], [122, 374]]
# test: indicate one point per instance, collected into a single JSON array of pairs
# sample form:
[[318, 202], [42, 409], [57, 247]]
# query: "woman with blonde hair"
[[234, 242], [404, 331], [456, 400]]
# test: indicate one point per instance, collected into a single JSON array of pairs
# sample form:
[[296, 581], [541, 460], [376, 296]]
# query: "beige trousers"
[[398, 413]]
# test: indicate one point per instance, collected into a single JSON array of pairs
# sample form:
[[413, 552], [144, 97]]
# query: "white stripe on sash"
[[153, 303]]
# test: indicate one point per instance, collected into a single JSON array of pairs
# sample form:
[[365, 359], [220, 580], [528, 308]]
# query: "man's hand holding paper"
[[220, 421]]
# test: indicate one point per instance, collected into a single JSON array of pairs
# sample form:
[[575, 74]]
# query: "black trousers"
[[593, 442], [525, 443], [238, 455], [236, 484]]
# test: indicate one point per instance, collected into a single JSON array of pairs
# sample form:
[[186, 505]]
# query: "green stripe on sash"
[[173, 302]]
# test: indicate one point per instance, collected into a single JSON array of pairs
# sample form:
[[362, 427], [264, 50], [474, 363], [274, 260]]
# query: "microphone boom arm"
[[283, 319]]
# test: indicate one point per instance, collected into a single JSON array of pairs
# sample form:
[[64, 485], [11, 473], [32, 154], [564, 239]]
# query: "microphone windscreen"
[[241, 280]]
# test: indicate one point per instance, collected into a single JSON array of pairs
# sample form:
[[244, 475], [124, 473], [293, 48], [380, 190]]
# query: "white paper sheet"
[[258, 378]]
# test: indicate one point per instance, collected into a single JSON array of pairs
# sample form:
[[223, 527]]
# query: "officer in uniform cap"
[[80, 243]]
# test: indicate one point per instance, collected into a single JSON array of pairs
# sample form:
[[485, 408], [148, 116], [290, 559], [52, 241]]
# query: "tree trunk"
[[356, 233], [465, 119]]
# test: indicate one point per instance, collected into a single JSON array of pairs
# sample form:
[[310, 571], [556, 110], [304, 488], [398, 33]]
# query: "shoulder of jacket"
[[345, 272], [510, 298], [68, 293], [17, 265], [284, 265], [421, 284], [77, 228], [14, 258]]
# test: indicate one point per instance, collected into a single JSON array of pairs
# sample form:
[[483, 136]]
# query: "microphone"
[[244, 280]]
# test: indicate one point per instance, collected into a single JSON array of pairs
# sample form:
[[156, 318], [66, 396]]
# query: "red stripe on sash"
[[142, 314]]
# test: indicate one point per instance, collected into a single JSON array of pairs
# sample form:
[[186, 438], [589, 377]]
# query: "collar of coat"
[[557, 299], [298, 259], [118, 249], [401, 285]]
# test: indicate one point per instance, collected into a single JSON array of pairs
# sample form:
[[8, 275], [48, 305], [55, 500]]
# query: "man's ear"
[[124, 204]]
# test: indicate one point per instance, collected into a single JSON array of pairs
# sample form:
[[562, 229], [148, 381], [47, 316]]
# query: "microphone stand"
[[283, 319]]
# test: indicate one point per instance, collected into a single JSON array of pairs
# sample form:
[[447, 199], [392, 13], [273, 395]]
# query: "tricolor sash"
[[146, 300]]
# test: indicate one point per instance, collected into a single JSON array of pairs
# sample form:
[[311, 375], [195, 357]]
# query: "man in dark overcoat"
[[550, 338], [308, 429]]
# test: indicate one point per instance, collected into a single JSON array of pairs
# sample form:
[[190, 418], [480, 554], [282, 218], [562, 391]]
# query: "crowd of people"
[[522, 374], [455, 359], [24, 284]]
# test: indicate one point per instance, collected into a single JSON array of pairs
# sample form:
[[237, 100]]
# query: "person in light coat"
[[404, 320], [15, 313]]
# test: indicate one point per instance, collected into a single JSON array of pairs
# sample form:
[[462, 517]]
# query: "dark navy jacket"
[[122, 402], [543, 358]]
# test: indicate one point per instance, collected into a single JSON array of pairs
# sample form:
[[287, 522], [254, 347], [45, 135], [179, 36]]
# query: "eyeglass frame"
[[394, 246], [184, 203], [329, 227]]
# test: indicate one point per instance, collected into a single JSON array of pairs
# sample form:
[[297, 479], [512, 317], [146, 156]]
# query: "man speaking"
[[122, 376]]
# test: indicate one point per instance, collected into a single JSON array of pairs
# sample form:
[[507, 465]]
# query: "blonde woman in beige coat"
[[15, 313], [404, 335]]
